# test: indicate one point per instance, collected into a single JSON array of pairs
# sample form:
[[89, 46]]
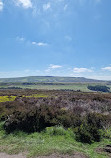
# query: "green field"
[[54, 86]]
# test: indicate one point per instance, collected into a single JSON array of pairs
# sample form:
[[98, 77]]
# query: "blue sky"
[[55, 37]]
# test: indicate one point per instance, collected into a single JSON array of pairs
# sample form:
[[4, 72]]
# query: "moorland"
[[43, 122], [55, 115]]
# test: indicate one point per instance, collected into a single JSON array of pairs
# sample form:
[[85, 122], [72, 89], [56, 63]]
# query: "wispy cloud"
[[38, 7], [39, 43], [53, 67], [46, 6], [24, 3], [82, 2], [23, 39], [68, 38], [80, 70], [65, 7], [20, 38], [98, 1], [1, 5], [106, 68], [100, 77]]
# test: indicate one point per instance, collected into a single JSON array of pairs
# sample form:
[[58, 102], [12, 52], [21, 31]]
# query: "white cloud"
[[42, 44], [54, 66], [25, 3], [80, 70], [1, 5], [34, 43], [22, 39], [39, 43], [100, 77], [46, 6], [106, 68]]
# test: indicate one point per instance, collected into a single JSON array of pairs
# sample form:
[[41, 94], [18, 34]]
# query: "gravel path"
[[76, 155]]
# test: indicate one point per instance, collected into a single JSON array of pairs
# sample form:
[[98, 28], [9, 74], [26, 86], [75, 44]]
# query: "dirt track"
[[3, 155], [76, 155]]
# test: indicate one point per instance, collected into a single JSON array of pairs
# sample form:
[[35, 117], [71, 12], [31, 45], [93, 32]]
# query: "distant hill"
[[49, 79]]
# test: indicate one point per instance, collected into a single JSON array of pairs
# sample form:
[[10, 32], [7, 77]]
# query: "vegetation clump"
[[99, 88], [88, 131], [87, 114]]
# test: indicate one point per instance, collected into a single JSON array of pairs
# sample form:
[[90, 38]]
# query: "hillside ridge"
[[48, 79]]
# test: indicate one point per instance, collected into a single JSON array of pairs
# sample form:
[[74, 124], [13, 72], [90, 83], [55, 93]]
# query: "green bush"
[[89, 130], [82, 134], [58, 130], [106, 133], [87, 134]]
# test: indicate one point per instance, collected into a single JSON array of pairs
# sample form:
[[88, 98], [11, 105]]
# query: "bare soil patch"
[[3, 155], [76, 155], [106, 149]]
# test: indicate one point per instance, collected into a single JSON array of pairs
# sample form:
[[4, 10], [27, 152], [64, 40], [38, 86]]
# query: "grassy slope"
[[50, 83], [82, 87], [69, 86], [44, 143], [48, 79], [74, 86]]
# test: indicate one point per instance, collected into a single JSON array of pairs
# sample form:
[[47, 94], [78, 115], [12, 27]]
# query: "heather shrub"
[[95, 119], [32, 114], [65, 120], [66, 109], [33, 120]]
